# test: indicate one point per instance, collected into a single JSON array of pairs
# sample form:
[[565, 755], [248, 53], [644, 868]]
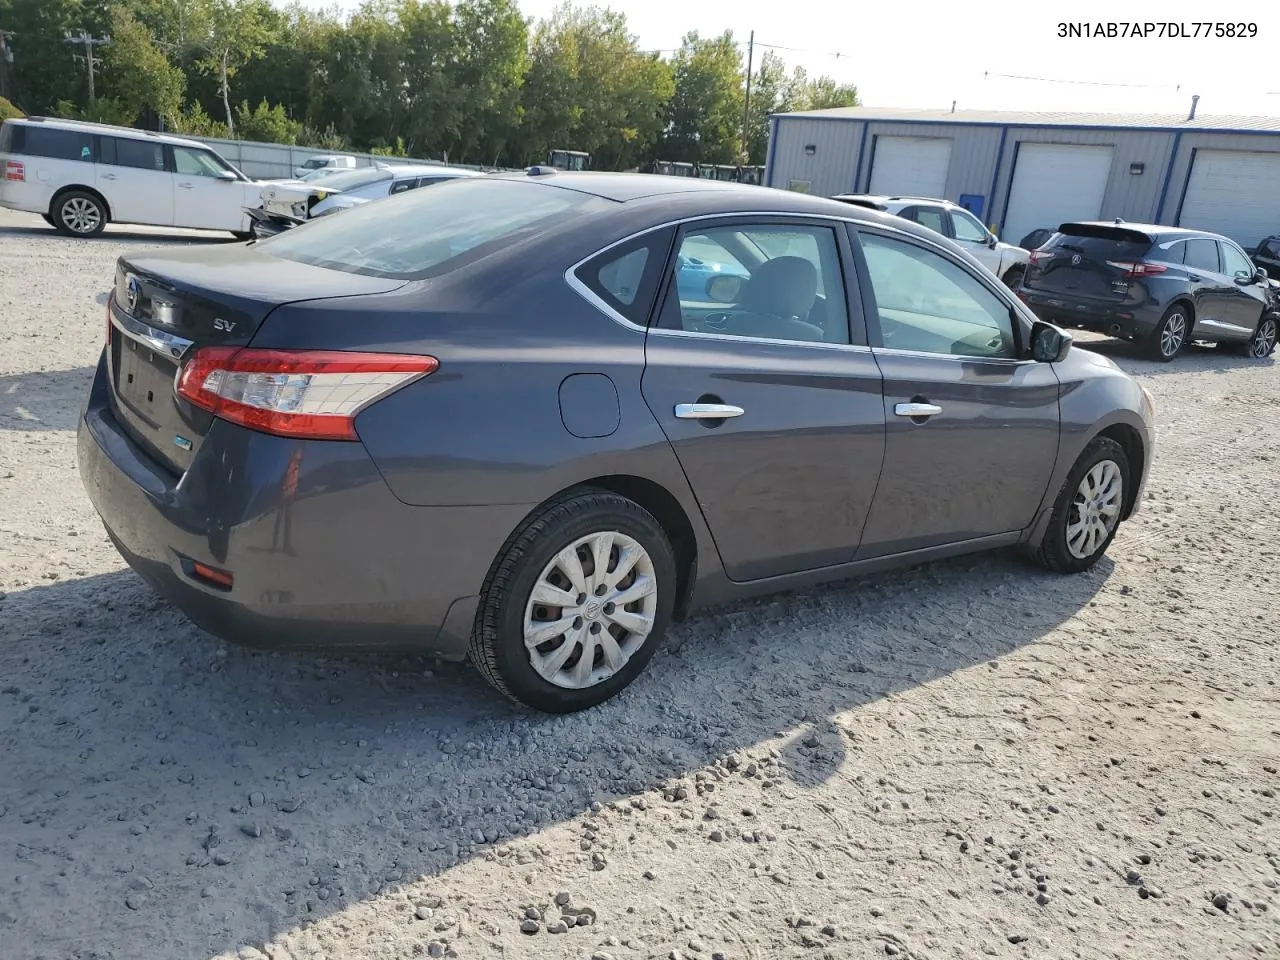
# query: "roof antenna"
[[1195, 99], [953, 106]]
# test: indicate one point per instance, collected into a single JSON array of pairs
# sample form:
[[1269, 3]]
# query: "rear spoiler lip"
[[1105, 231]]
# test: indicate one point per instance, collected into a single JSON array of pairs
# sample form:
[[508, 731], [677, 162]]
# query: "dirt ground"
[[970, 759]]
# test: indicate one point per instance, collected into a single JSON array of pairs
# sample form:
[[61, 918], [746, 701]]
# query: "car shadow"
[[44, 400], [37, 230], [1200, 357], [250, 793]]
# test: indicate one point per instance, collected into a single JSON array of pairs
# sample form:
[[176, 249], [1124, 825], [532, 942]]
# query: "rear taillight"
[[1038, 255], [312, 394], [1137, 268], [14, 170]]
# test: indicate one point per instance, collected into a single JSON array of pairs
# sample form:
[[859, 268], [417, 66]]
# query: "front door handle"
[[186, 186], [707, 411], [914, 410], [1194, 279], [108, 176]]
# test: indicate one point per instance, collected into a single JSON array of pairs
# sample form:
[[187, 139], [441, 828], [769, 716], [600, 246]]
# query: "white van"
[[81, 176]]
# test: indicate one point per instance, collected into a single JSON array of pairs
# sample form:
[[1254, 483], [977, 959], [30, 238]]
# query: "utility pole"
[[91, 61], [746, 107]]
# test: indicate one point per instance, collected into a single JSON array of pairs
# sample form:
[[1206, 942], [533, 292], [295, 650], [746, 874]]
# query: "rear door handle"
[[1194, 279], [185, 186], [707, 411], [917, 410], [108, 176]]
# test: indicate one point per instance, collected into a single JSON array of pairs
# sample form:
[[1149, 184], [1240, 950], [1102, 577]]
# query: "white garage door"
[[1054, 183], [1233, 193], [910, 166]]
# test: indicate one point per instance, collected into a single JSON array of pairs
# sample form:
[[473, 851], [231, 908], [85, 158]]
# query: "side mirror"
[[225, 175], [724, 288], [1049, 344], [992, 240], [1261, 276]]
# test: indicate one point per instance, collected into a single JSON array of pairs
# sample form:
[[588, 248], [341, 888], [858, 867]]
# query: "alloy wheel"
[[1173, 334], [81, 215], [1095, 509], [592, 607], [1264, 341]]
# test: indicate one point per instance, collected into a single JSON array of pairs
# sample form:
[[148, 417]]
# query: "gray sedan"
[[501, 419]]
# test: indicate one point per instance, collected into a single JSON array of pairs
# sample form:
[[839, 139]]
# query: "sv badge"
[[225, 326]]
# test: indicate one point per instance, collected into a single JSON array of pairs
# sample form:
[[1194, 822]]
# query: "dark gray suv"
[[494, 419], [1160, 286]]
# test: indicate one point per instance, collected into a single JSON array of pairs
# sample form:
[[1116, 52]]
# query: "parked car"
[[1267, 256], [81, 176], [1036, 239], [478, 420], [332, 162], [285, 205], [1160, 286], [955, 222]]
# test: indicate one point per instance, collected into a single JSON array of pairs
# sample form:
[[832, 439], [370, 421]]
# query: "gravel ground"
[[973, 758]]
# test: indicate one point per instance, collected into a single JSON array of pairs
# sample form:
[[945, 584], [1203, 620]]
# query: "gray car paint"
[[394, 537]]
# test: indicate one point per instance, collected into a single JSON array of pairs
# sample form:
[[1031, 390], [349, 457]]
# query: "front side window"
[[968, 228], [360, 177], [775, 282], [1271, 249], [400, 186], [434, 231], [57, 144], [1201, 255], [1234, 263], [197, 163], [927, 304]]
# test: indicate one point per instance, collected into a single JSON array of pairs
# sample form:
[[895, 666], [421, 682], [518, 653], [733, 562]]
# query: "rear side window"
[[1201, 255], [627, 277], [930, 217], [127, 152], [56, 144], [427, 233], [400, 186]]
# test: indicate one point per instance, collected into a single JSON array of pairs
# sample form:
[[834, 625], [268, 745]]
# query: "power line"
[[1085, 83]]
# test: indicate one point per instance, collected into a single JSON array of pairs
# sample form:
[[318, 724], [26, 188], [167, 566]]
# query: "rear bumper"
[[1116, 319], [340, 564], [26, 196]]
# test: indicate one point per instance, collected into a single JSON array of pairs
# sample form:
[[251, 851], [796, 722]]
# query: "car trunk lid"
[[166, 304], [1088, 260]]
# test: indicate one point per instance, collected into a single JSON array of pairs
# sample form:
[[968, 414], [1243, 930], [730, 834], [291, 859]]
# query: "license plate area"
[[144, 381]]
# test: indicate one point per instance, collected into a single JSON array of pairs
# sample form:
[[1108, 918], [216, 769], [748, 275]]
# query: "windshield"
[[350, 179], [425, 233]]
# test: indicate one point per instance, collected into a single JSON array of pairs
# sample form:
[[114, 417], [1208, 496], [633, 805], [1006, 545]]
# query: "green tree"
[[589, 87], [8, 111], [266, 123], [234, 33], [493, 51], [704, 115], [136, 71]]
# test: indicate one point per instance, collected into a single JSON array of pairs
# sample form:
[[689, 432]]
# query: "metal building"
[[1023, 171]]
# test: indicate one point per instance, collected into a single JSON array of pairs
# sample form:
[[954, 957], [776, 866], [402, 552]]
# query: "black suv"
[[1160, 286], [1267, 256]]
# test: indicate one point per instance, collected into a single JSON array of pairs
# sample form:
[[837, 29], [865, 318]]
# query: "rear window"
[[357, 178], [1100, 243], [426, 233]]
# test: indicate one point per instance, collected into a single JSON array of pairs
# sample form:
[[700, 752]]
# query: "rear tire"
[[554, 554], [1170, 335], [1263, 342], [1074, 541], [1013, 276], [79, 213]]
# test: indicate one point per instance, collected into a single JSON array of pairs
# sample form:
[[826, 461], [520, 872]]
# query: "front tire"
[[577, 603], [78, 213], [1086, 514], [1263, 342], [1170, 335]]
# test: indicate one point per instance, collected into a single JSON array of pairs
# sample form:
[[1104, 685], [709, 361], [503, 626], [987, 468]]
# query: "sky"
[[986, 56]]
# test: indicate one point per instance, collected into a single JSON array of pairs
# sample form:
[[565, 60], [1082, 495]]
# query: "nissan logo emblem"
[[133, 293], [1075, 259]]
